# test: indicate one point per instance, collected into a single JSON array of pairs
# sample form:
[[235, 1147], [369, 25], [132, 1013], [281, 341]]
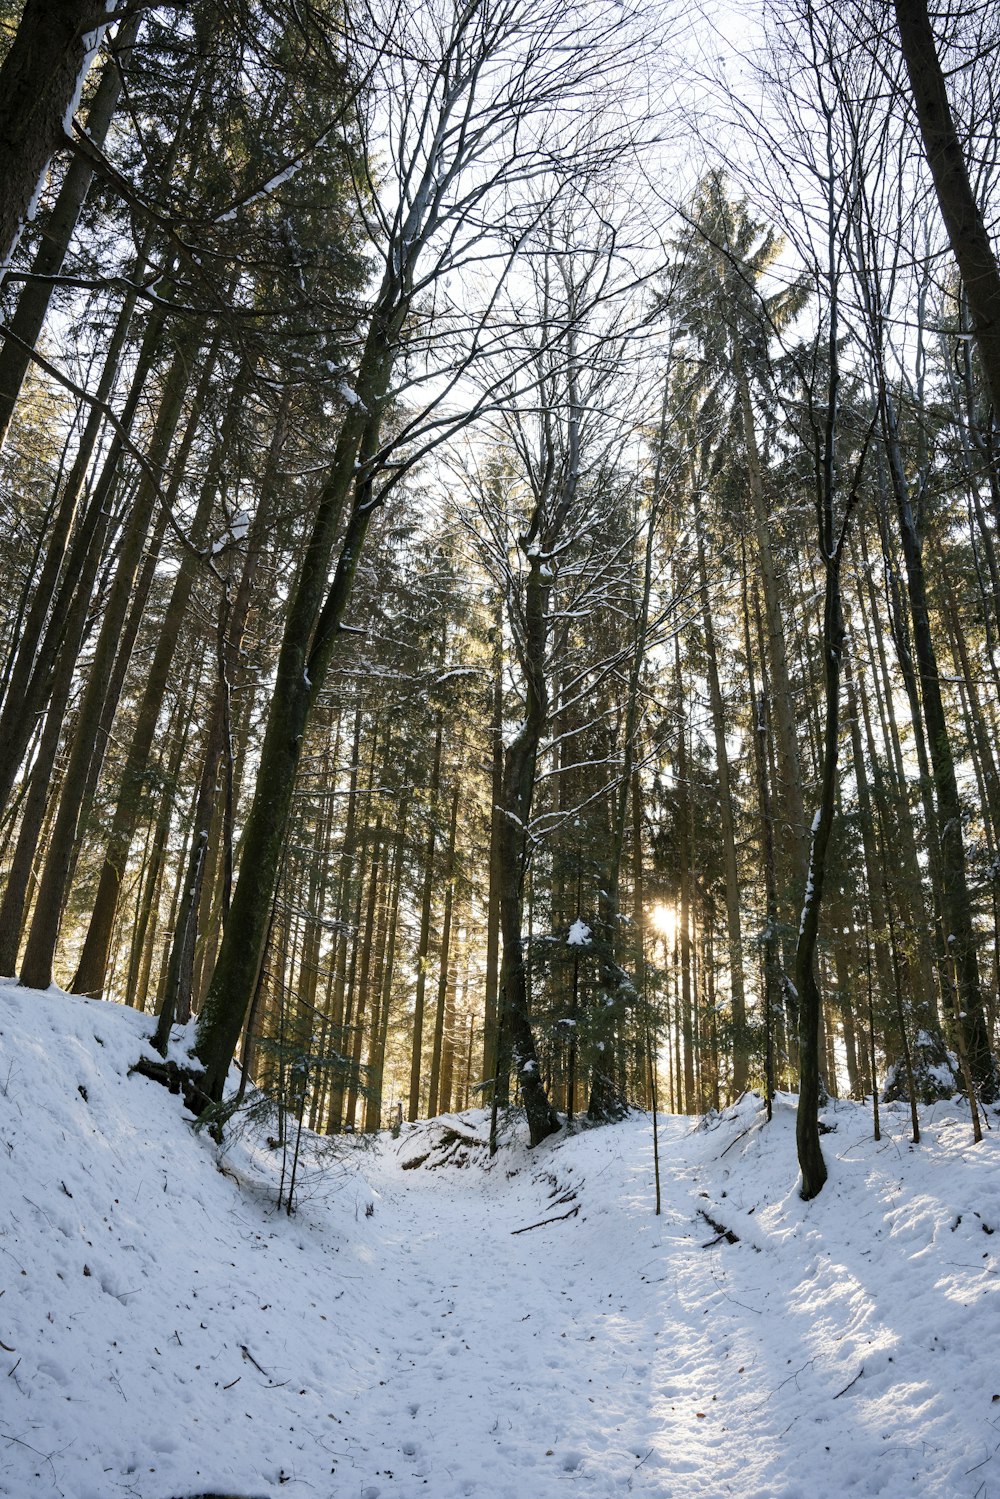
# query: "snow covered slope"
[[166, 1332]]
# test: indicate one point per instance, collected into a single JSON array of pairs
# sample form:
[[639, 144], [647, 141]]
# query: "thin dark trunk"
[[733, 922], [960, 969], [36, 971], [518, 793], [92, 966], [42, 637], [424, 940], [963, 220], [769, 947], [311, 635], [445, 957], [364, 971], [491, 977]]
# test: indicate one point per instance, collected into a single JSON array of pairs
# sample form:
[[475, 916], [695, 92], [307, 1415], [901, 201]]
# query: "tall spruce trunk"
[[607, 1091], [36, 968], [733, 921], [33, 303], [963, 220], [491, 1061], [12, 908], [376, 1053], [424, 938], [960, 966], [48, 616], [445, 955], [789, 797], [875, 878], [90, 973], [520, 759], [216, 751], [40, 81], [311, 635]]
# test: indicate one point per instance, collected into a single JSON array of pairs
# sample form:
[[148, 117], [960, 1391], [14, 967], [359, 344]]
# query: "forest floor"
[[167, 1332]]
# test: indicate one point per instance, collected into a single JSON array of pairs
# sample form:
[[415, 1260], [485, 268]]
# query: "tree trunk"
[[683, 816], [963, 220], [30, 677], [361, 1002], [40, 84], [518, 792], [90, 972], [215, 749], [790, 801], [424, 939], [444, 972], [36, 970], [491, 976], [811, 1162], [311, 635], [733, 923], [376, 1054], [33, 303], [960, 970]]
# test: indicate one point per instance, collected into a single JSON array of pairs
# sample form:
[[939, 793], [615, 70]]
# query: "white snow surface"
[[174, 1334]]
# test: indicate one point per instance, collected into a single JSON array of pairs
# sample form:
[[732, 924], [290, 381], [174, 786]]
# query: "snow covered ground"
[[166, 1332]]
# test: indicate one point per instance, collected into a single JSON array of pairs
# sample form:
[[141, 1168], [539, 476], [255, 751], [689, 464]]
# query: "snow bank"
[[505, 1329]]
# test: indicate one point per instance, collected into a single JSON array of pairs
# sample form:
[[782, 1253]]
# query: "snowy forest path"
[[422, 1326], [722, 1348], [543, 1351]]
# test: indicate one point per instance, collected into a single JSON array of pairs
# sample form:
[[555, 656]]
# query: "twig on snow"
[[848, 1386], [557, 1219]]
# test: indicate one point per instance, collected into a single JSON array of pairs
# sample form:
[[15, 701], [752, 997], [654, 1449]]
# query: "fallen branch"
[[848, 1386], [249, 1356], [721, 1231], [742, 1135], [557, 1219]]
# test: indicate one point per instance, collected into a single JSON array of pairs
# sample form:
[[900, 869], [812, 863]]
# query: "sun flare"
[[663, 919]]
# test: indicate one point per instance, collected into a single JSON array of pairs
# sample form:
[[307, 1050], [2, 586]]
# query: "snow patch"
[[491, 1331]]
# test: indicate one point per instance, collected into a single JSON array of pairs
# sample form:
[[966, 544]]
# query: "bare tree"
[[471, 118]]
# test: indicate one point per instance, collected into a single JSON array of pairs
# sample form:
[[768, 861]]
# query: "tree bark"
[[33, 303], [492, 974], [733, 922], [445, 957], [960, 967], [41, 638], [518, 792], [36, 969], [963, 220], [90, 973], [40, 83], [312, 631], [424, 939]]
